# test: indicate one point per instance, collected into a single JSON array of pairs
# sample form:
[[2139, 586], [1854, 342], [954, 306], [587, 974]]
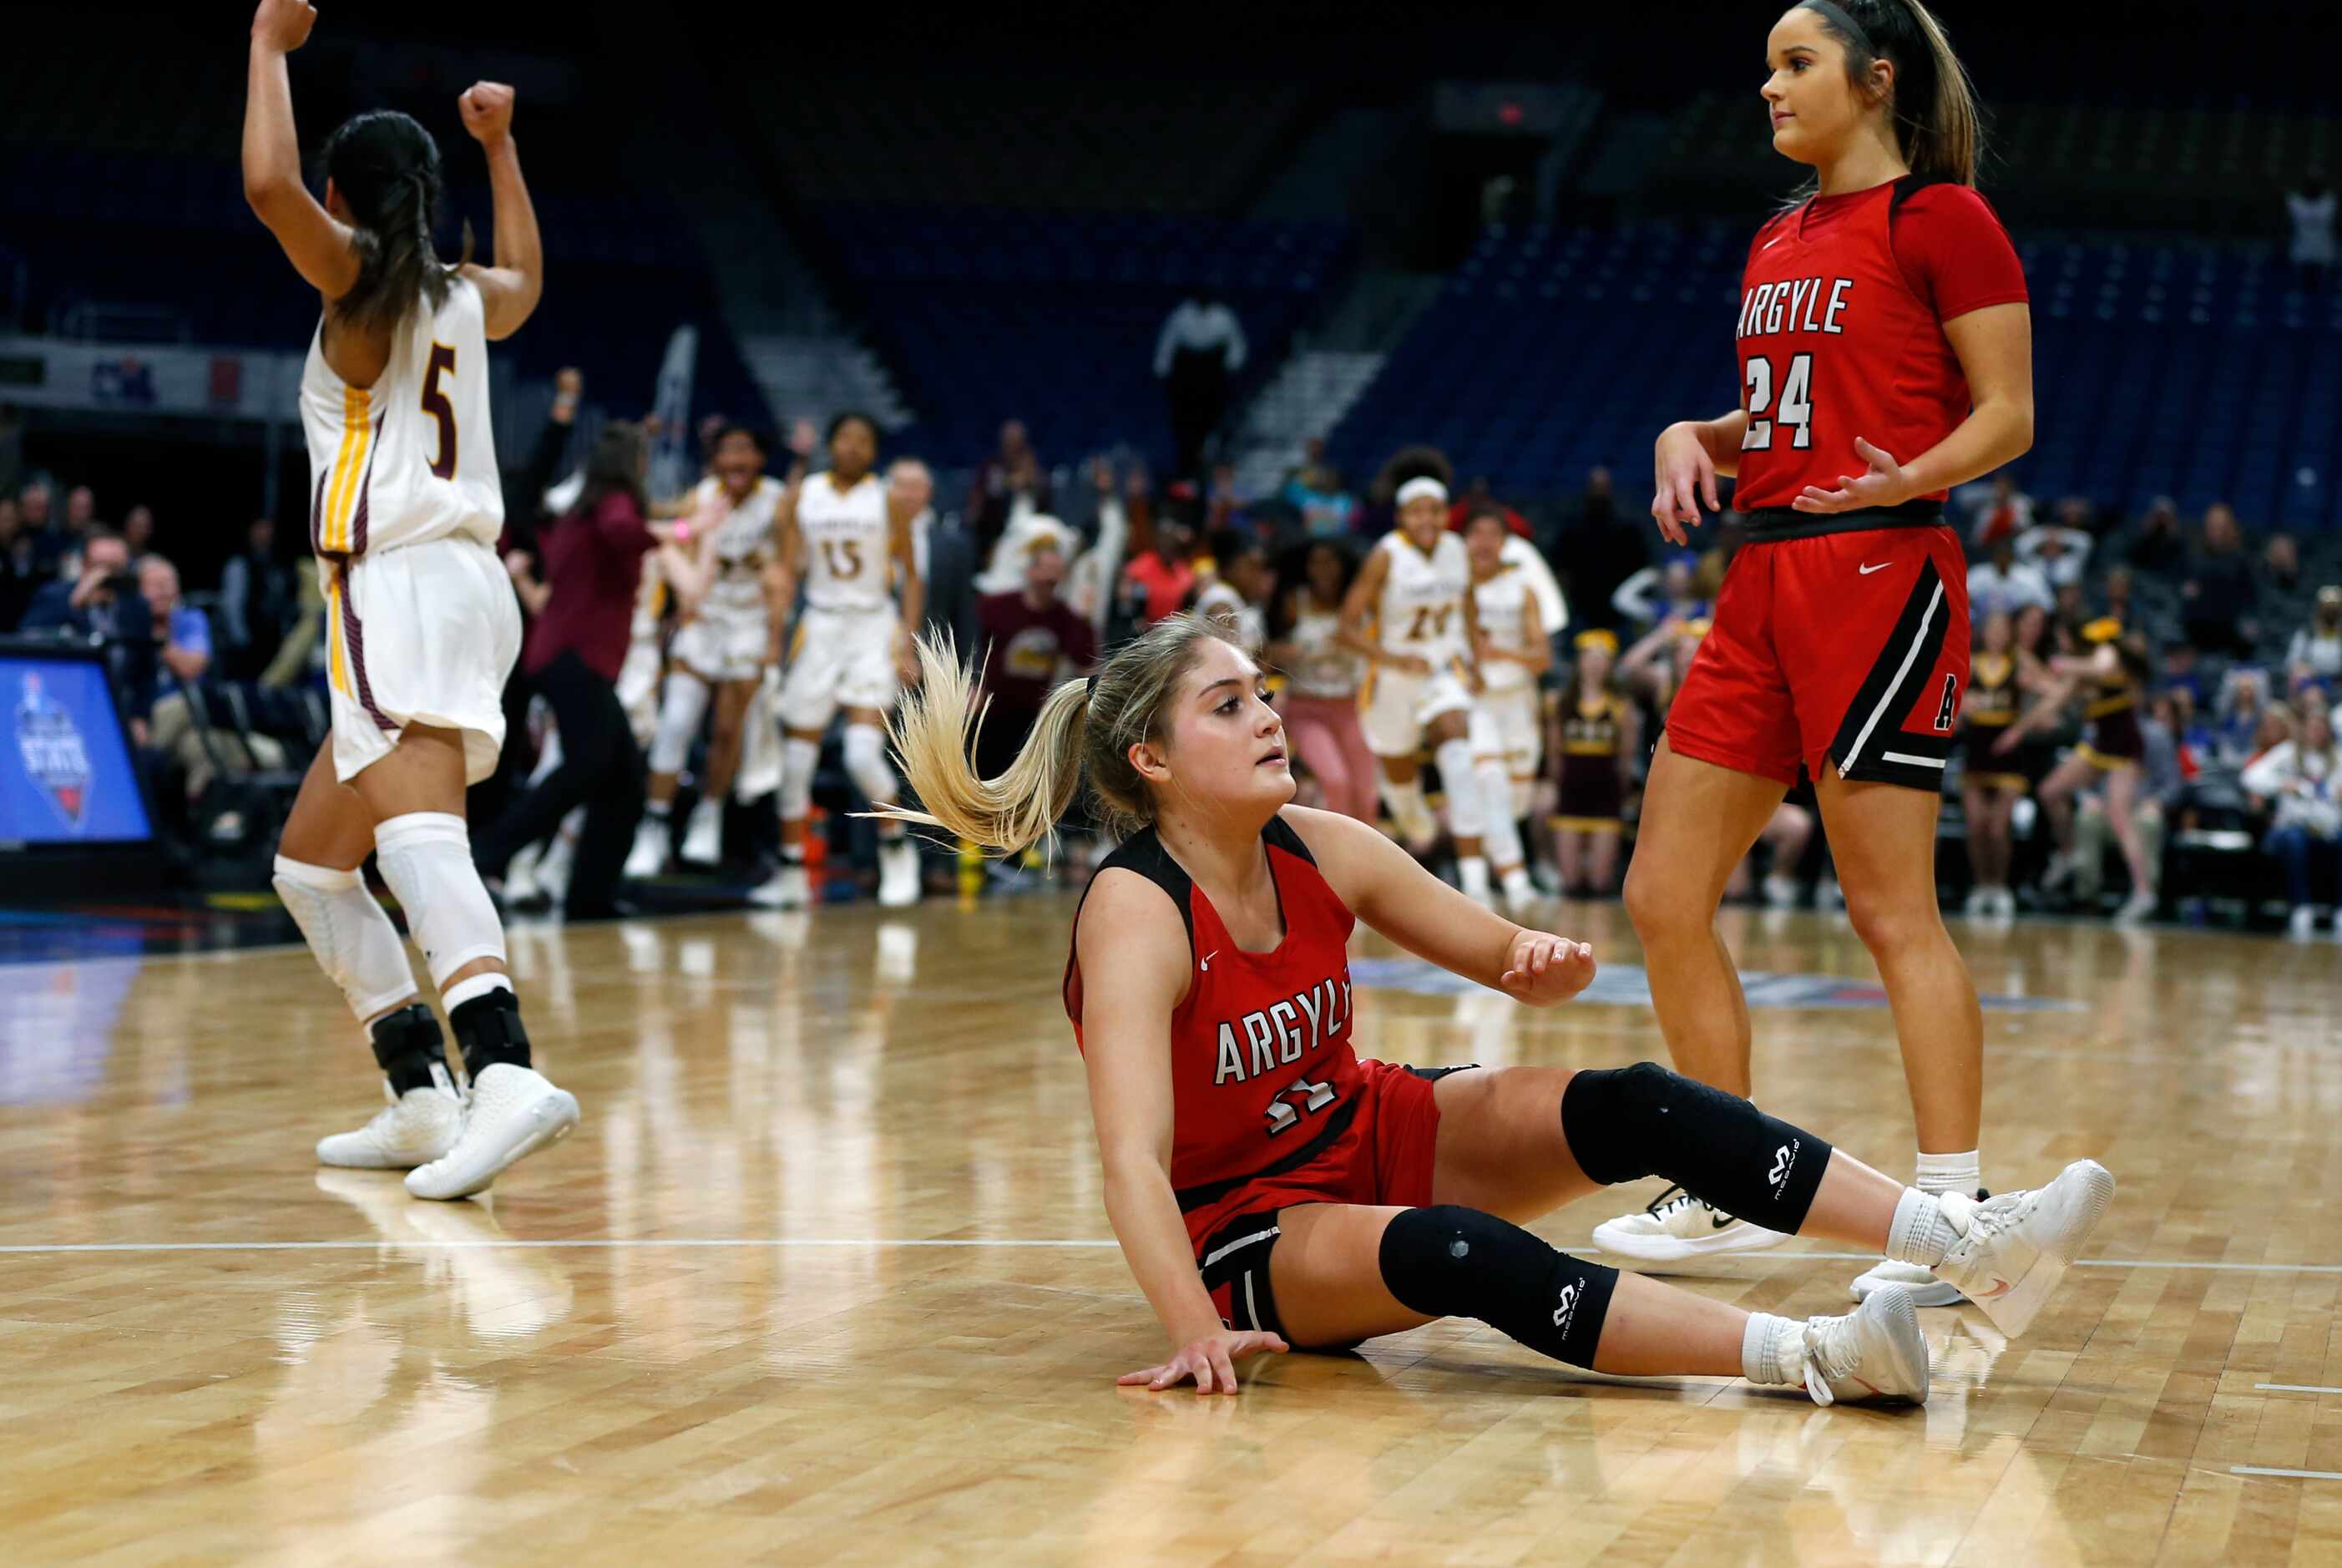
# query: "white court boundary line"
[[2298, 1387], [2297, 1475], [610, 1243]]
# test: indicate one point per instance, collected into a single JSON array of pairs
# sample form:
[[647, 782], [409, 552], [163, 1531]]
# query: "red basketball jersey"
[[1263, 1075], [1835, 343]]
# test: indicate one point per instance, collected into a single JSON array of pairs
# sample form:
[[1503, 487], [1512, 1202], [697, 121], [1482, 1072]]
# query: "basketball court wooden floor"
[[824, 1276]]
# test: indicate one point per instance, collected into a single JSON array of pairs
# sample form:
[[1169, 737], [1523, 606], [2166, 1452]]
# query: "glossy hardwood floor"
[[824, 1276]]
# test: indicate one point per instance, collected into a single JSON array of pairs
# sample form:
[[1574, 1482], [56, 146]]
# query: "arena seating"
[[2192, 372]]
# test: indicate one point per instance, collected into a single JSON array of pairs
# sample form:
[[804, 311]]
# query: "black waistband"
[[1769, 522], [1213, 1192]]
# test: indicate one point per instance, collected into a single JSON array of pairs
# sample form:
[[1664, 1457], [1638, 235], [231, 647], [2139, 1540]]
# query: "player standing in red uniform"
[[1886, 355], [1270, 1188]]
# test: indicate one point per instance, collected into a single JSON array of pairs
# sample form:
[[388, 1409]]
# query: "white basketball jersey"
[[412, 457], [1422, 607], [846, 535], [1501, 603], [743, 540]]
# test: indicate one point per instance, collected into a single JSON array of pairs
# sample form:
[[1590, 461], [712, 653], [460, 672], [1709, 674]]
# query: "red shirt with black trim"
[[1840, 332]]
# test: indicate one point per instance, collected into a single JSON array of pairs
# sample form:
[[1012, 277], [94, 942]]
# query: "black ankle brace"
[[407, 1045], [490, 1031]]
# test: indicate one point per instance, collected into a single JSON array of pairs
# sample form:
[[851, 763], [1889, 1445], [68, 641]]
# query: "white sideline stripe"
[[622, 1243], [1907, 757], [2298, 1387], [1910, 657], [2302, 1474]]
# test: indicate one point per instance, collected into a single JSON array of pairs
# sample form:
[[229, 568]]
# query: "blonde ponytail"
[[1085, 731]]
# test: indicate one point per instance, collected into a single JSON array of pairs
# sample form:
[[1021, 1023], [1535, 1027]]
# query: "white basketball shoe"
[[648, 857], [1925, 1289], [1677, 1227], [514, 1112], [414, 1129], [703, 840], [2015, 1248], [898, 872], [786, 888], [1873, 1355]]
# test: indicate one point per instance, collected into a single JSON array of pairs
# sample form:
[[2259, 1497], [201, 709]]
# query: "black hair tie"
[[1089, 691]]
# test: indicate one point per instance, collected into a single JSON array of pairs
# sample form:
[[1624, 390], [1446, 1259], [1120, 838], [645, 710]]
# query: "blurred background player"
[[740, 590], [851, 537], [1992, 781], [1322, 683], [1601, 733], [2112, 683], [1416, 587], [424, 627], [1507, 738]]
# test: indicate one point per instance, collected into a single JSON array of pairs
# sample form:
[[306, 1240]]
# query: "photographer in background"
[[102, 606]]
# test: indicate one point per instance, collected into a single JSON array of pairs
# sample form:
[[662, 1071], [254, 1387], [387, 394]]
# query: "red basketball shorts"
[[1844, 650]]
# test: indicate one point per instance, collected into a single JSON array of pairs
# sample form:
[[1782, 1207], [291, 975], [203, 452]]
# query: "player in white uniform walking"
[[740, 594], [850, 535], [1508, 732], [1415, 587], [421, 623]]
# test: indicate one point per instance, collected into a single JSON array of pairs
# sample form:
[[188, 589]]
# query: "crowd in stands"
[[2227, 640]]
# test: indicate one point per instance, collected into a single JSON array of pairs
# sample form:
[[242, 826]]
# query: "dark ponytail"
[[1933, 107], [386, 168]]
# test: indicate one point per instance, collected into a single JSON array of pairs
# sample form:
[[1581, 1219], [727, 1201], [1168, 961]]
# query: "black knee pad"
[[407, 1046], [489, 1029], [1450, 1262], [1625, 1123]]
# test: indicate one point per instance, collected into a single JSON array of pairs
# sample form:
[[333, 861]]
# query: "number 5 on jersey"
[[1797, 410], [436, 404]]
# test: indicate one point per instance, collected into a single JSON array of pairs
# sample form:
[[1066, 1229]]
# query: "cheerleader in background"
[[1599, 735]]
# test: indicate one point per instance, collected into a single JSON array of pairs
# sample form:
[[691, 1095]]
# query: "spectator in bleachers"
[[945, 555], [2118, 595], [1661, 595], [2219, 595], [258, 603], [2315, 651], [1327, 510], [18, 576], [101, 607], [2182, 671], [2002, 584], [2153, 543], [1201, 345], [80, 521], [2309, 213], [1009, 483], [1596, 550], [42, 526], [2059, 553], [2302, 782], [138, 532], [182, 633], [1996, 512], [1322, 681], [1159, 580], [2240, 719]]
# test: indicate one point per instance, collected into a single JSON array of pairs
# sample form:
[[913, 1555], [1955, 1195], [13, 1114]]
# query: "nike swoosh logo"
[[1207, 965], [1999, 1288], [1867, 570], [1720, 1221]]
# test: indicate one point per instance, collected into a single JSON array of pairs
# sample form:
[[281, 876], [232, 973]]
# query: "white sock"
[[1472, 874], [1961, 1174], [1921, 1232], [463, 990], [1760, 1352], [657, 808]]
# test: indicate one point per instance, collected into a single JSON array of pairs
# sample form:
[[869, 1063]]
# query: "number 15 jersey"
[[846, 535], [412, 457], [1840, 331]]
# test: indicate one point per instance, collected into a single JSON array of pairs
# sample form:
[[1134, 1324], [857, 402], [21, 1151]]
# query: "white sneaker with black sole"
[[514, 1112], [1874, 1354], [414, 1129], [1677, 1227], [2015, 1248]]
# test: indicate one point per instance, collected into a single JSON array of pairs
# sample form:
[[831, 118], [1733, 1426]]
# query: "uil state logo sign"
[[54, 759]]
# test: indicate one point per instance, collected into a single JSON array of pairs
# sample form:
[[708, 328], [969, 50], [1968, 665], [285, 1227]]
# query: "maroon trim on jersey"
[[318, 513], [353, 641], [365, 484]]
